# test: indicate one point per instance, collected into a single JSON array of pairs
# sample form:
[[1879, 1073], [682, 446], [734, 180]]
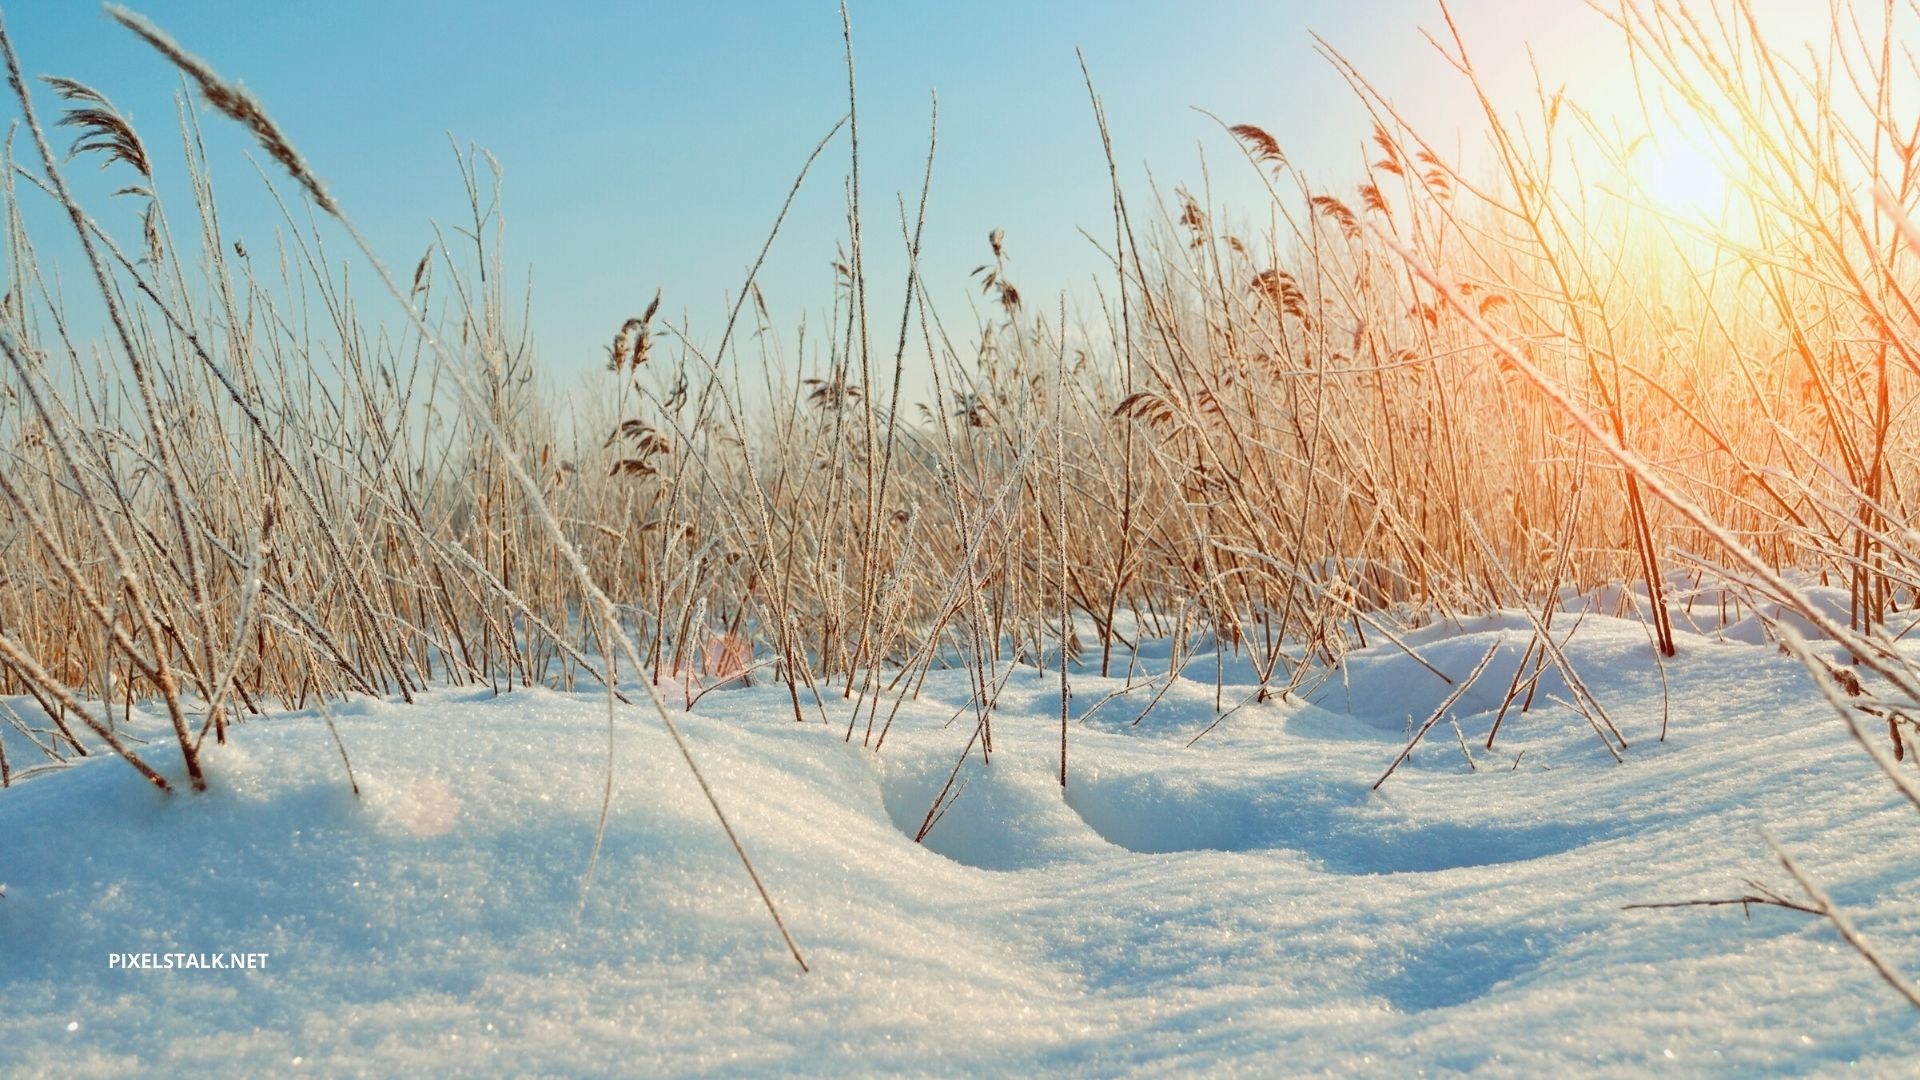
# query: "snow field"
[[1246, 905]]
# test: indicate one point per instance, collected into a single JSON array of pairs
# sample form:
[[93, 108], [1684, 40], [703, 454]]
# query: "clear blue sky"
[[650, 144]]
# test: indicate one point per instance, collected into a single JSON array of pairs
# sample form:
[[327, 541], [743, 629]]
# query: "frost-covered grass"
[[1485, 524], [1245, 905]]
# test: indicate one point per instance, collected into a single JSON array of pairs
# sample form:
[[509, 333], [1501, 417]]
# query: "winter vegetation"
[[1462, 623]]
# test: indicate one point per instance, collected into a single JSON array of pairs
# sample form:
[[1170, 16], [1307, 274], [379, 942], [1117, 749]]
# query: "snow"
[[1244, 905]]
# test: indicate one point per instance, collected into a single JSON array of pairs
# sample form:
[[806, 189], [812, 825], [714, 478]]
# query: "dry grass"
[[1284, 440]]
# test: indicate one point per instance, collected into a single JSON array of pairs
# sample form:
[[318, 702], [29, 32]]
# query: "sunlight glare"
[[1682, 179]]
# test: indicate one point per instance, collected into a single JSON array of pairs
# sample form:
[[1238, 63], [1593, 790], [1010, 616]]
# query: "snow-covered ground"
[[1244, 905]]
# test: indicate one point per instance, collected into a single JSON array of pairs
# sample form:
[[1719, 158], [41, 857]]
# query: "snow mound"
[[1246, 904]]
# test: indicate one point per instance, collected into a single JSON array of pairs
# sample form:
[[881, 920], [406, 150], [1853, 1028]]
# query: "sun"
[[1680, 177]]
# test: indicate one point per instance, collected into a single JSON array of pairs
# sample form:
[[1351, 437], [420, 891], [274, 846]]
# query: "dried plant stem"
[[1842, 923], [1459, 690], [25, 665]]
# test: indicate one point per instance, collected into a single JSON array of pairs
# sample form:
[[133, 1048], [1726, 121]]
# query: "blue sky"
[[649, 145]]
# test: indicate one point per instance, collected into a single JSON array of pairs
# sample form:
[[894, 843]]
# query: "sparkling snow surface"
[[1244, 905]]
